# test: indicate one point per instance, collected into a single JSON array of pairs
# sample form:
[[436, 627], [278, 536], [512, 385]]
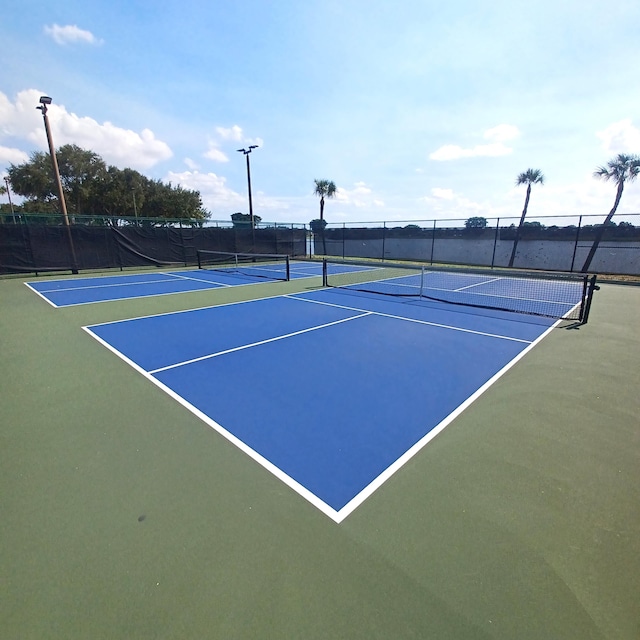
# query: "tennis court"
[[374, 360], [222, 270], [261, 461]]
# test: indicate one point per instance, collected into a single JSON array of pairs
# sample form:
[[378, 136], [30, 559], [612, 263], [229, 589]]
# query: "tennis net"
[[547, 294], [271, 266]]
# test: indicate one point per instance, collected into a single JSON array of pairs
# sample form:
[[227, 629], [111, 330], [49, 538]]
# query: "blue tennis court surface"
[[75, 291], [331, 391]]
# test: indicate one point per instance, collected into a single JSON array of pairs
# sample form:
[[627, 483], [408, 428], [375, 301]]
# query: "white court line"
[[153, 295], [254, 455], [355, 502], [336, 515], [572, 305], [101, 286], [425, 322], [177, 275], [504, 297], [172, 276], [477, 284], [255, 344], [53, 304], [171, 313]]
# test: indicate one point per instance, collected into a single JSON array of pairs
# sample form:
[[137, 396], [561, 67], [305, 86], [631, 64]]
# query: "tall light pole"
[[44, 101], [13, 214], [246, 152]]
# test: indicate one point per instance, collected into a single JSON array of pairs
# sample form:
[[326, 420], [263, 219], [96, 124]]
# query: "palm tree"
[[324, 189], [621, 169], [528, 177]]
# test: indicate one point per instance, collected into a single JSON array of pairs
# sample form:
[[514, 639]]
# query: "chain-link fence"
[[549, 243]]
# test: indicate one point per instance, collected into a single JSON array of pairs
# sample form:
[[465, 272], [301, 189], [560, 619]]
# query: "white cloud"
[[228, 135], [442, 194], [122, 147], [215, 154], [234, 133], [191, 164], [216, 195], [360, 196], [620, 137], [222, 201], [497, 135], [70, 34], [447, 204], [501, 133], [12, 156], [116, 145]]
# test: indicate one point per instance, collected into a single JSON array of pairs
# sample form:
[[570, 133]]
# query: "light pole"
[[44, 101], [246, 152], [13, 214]]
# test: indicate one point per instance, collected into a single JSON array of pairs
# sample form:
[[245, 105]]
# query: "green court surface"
[[123, 516]]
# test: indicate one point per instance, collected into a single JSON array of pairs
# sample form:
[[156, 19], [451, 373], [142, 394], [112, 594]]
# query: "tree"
[[477, 222], [324, 189], [34, 179], [623, 168], [95, 189], [243, 220], [80, 172], [528, 177], [317, 225]]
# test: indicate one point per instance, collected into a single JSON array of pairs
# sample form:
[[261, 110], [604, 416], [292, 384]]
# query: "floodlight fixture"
[[249, 149], [45, 100]]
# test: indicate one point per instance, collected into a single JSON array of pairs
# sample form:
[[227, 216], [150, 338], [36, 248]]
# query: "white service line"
[[431, 324], [477, 284], [100, 286], [177, 275], [255, 344]]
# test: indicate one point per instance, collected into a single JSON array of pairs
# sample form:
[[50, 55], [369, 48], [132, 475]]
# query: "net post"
[[587, 306], [324, 273], [421, 280], [288, 268], [199, 259]]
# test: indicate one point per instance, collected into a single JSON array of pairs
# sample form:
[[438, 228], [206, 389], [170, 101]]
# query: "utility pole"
[[44, 101], [246, 152]]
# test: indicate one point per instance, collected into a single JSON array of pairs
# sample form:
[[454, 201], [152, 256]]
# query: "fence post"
[[433, 240], [384, 238], [575, 245], [495, 242]]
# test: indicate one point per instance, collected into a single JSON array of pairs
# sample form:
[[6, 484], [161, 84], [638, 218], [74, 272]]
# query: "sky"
[[415, 109]]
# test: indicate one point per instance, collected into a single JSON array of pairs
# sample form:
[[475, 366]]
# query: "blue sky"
[[417, 110]]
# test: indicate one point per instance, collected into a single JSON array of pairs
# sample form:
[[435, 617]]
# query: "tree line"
[[93, 188]]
